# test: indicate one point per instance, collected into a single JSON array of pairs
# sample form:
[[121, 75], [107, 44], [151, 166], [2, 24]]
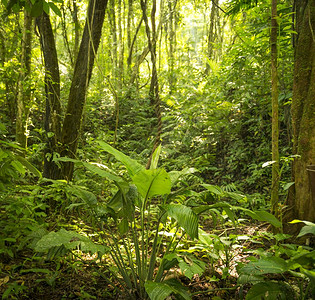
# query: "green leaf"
[[133, 167], [37, 9], [46, 7], [152, 182], [88, 197], [155, 157], [270, 290], [203, 208], [204, 237], [18, 166], [35, 270], [98, 169], [214, 189], [175, 175], [29, 166], [246, 278], [269, 265], [261, 215], [191, 266], [309, 229], [55, 9], [268, 217], [185, 217], [161, 290], [288, 185], [68, 239], [157, 290]]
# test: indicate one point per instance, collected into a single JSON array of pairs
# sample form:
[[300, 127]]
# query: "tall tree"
[[301, 202], [65, 138], [154, 93], [24, 92], [275, 109], [81, 78], [52, 123]]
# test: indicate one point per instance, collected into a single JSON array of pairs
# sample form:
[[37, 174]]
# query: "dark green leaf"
[[185, 217], [55, 9], [37, 9], [133, 167]]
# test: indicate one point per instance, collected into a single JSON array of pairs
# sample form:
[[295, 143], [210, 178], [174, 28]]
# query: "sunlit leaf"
[[185, 217], [132, 166], [152, 182], [270, 290]]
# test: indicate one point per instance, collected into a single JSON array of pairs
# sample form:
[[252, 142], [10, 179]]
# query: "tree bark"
[[52, 91], [275, 110], [24, 93], [301, 201], [154, 87], [82, 74]]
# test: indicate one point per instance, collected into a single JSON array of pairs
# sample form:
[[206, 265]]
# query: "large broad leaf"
[[88, 197], [132, 166], [152, 182], [214, 189], [308, 229], [265, 266], [268, 217], [270, 291], [212, 207], [246, 278], [29, 166], [69, 239], [161, 290], [99, 170], [261, 215], [185, 217], [95, 168], [191, 266], [175, 175], [157, 290]]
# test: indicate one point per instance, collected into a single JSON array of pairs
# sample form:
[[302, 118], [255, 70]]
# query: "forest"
[[157, 149]]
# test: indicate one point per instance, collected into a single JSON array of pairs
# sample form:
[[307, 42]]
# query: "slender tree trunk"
[[76, 29], [301, 201], [275, 110], [82, 74], [154, 87], [171, 43], [114, 48], [24, 93], [65, 35], [52, 91], [120, 47], [211, 32]]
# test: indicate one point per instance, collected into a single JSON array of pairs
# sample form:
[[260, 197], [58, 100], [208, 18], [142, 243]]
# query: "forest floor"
[[70, 281], [33, 277]]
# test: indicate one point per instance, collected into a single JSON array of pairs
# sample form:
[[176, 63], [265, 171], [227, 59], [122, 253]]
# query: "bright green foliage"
[[55, 241], [298, 261]]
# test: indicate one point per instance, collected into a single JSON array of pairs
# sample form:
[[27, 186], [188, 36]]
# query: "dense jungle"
[[157, 149]]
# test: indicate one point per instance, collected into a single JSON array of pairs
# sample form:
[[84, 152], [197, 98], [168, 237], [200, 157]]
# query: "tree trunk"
[[24, 93], [301, 202], [82, 74], [275, 110], [76, 29], [171, 43], [154, 87], [52, 90], [114, 48]]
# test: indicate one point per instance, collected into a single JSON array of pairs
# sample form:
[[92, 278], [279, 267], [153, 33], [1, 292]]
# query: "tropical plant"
[[270, 273], [140, 230]]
